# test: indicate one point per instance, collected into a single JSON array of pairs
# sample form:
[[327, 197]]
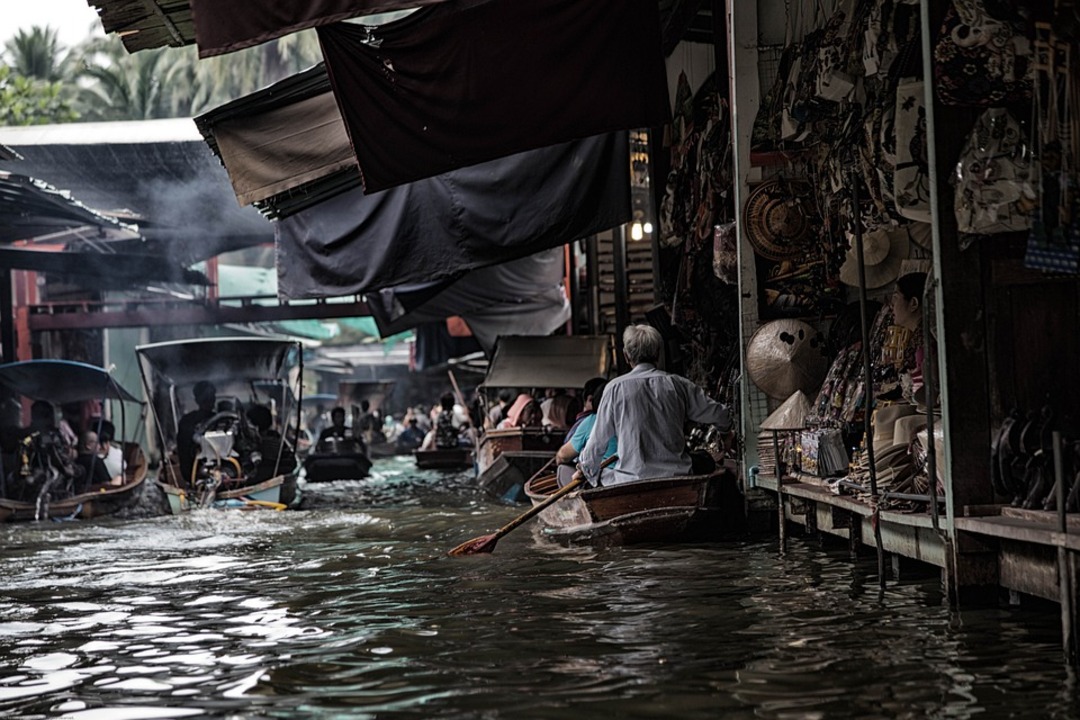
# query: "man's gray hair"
[[642, 344]]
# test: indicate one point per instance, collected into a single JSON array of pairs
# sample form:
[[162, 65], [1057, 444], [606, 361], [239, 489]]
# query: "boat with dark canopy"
[[39, 480], [243, 453], [506, 458]]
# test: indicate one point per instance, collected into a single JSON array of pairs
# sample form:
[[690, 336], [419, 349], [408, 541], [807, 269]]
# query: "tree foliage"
[[26, 101], [98, 80]]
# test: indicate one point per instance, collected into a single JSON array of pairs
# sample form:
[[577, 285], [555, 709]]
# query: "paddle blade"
[[482, 544]]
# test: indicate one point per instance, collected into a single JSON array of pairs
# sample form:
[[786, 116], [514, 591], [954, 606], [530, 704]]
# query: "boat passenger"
[[411, 437], [187, 446], [446, 429], [525, 412], [645, 410], [109, 451], [498, 411], [337, 438], [93, 468], [579, 434], [561, 412]]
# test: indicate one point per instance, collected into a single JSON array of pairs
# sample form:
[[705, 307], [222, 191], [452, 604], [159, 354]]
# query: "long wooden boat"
[[327, 467], [507, 458], [236, 463], [447, 459], [97, 501], [663, 510]]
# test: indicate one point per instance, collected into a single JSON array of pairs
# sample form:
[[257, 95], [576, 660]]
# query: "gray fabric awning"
[[185, 362], [558, 361]]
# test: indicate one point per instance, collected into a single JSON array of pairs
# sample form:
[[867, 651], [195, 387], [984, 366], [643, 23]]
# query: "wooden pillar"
[[7, 318], [622, 293]]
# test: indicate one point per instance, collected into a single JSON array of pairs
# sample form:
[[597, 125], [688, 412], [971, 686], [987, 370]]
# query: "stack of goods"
[[895, 468]]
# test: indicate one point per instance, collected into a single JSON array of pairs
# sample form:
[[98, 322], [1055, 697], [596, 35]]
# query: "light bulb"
[[635, 231]]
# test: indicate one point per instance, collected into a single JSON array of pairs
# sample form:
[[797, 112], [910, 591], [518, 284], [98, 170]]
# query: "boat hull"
[[680, 509], [327, 467], [278, 492], [97, 502], [447, 459]]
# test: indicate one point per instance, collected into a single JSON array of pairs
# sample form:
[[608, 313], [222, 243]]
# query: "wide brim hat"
[[884, 422], [883, 251], [779, 220], [786, 355], [791, 415], [921, 233]]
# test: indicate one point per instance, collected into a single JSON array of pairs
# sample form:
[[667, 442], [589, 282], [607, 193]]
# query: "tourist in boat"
[[93, 467], [525, 412], [498, 412], [337, 438], [108, 449], [445, 434], [645, 410], [580, 432], [205, 395], [411, 437], [561, 412]]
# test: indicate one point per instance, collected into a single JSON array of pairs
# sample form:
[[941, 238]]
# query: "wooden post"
[[1065, 569], [622, 293], [7, 317]]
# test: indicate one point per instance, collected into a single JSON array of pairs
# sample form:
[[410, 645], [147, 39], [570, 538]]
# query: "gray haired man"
[[645, 410]]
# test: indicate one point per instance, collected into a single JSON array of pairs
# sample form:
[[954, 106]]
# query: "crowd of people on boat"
[[59, 453]]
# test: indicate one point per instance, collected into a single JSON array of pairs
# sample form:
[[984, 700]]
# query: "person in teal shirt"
[[580, 432]]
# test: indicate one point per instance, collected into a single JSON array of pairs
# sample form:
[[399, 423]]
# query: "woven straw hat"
[[779, 219], [883, 251], [786, 355], [791, 415]]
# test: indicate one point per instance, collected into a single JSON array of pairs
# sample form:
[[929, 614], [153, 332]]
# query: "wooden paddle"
[[486, 543]]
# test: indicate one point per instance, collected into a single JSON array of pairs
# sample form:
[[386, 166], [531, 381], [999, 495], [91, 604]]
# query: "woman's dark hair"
[[447, 401], [912, 285], [595, 389]]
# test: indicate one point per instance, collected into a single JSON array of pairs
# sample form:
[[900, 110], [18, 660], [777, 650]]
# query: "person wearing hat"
[[645, 410]]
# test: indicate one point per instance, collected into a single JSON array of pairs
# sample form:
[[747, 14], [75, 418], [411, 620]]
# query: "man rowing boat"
[[645, 410]]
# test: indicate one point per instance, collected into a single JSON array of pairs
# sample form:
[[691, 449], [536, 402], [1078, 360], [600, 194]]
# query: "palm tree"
[[37, 53]]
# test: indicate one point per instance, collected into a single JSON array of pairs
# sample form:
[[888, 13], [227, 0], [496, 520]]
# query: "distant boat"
[[40, 486], [236, 463], [662, 510], [506, 458], [460, 458]]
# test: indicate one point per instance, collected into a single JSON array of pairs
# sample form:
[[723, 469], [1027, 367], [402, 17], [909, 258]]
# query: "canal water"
[[349, 608]]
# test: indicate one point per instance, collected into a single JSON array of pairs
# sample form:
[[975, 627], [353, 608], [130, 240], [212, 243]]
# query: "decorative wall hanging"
[[780, 221]]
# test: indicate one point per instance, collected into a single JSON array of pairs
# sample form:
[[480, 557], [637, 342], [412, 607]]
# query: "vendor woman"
[[906, 303]]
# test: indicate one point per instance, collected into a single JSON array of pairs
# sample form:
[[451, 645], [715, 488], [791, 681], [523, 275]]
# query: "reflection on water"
[[349, 608]]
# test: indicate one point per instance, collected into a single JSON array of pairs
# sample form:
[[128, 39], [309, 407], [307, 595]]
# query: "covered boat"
[[662, 510], [241, 449], [508, 457], [39, 481]]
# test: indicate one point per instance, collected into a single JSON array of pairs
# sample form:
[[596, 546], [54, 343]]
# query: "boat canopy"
[[62, 381], [185, 362], [558, 361]]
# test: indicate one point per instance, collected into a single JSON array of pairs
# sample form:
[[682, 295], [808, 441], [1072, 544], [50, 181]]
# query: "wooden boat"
[[236, 463], [97, 501], [506, 458], [663, 510], [330, 466], [38, 498], [460, 458]]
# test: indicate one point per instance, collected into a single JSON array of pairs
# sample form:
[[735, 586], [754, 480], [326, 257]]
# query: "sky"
[[71, 18]]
